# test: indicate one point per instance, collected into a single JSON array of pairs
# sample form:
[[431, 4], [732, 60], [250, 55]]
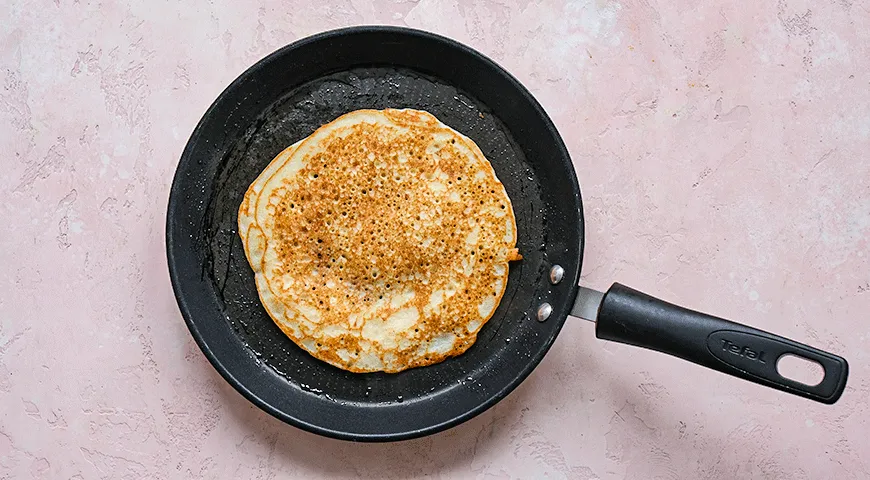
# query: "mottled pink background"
[[722, 148]]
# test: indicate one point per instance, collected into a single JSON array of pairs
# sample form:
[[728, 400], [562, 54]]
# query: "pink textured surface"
[[722, 151]]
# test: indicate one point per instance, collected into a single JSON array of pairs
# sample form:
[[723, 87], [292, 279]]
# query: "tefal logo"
[[744, 352]]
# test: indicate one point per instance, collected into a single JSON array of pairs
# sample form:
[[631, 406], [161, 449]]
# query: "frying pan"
[[284, 98]]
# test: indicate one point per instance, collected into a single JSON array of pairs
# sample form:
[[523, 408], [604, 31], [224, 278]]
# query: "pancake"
[[381, 242]]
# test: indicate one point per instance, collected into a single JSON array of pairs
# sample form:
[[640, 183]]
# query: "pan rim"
[[181, 297]]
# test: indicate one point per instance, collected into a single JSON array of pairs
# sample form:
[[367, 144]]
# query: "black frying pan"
[[284, 98]]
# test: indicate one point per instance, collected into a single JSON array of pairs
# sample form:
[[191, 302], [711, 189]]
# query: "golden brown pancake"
[[381, 242]]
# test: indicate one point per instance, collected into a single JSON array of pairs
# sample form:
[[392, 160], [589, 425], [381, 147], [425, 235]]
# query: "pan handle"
[[628, 316]]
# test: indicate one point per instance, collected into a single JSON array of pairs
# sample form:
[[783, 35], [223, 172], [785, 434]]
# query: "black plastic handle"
[[635, 318]]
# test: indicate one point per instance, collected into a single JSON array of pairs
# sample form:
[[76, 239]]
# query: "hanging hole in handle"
[[800, 369]]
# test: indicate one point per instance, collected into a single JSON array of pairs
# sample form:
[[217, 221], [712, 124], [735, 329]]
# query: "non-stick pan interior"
[[284, 99]]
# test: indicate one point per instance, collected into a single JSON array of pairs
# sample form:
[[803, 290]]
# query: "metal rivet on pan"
[[556, 274], [544, 311]]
